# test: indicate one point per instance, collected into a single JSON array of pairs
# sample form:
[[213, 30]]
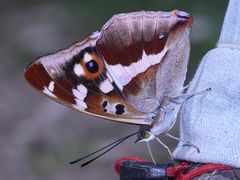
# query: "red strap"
[[175, 170], [178, 171], [202, 169], [119, 162]]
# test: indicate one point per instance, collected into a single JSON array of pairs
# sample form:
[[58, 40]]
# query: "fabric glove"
[[211, 120]]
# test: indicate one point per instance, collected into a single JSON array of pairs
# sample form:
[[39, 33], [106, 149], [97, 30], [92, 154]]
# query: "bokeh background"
[[38, 137]]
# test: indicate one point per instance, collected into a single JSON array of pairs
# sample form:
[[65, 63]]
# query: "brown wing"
[[64, 77], [135, 45], [112, 73]]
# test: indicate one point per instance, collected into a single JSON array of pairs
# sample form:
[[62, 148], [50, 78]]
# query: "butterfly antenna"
[[113, 144], [165, 146], [150, 152], [181, 140], [88, 162]]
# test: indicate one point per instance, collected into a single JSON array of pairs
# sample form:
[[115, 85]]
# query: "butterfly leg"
[[187, 86], [150, 152], [180, 98], [165, 146], [181, 140]]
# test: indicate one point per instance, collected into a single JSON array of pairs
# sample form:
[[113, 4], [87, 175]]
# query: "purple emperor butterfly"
[[130, 71]]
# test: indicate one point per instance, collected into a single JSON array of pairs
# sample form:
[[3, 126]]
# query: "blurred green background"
[[38, 136]]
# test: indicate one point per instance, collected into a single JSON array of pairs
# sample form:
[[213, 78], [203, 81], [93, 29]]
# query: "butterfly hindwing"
[[143, 44]]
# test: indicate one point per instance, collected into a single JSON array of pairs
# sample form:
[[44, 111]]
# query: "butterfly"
[[131, 71]]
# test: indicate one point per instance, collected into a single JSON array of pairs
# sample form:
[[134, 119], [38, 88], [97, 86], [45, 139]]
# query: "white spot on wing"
[[82, 89], [81, 104], [49, 93], [51, 86], [80, 107], [78, 70], [106, 86], [87, 57], [80, 93], [52, 71], [122, 75], [109, 76], [108, 67]]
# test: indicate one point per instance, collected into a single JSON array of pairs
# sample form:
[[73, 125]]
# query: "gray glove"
[[211, 120]]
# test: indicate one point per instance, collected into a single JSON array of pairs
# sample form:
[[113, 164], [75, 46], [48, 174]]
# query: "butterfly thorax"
[[162, 119]]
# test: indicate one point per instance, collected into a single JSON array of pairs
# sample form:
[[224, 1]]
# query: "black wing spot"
[[104, 104], [92, 66], [119, 109]]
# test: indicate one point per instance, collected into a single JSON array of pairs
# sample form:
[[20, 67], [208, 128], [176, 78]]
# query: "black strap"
[[135, 170]]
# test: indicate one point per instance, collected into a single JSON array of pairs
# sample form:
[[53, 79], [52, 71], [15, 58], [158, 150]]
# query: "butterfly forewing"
[[63, 77]]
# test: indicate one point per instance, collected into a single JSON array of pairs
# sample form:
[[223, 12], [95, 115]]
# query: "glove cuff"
[[230, 34]]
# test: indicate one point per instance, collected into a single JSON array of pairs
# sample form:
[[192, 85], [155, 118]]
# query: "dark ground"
[[38, 136]]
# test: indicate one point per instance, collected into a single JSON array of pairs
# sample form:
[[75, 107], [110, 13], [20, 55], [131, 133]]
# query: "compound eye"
[[92, 66], [145, 135]]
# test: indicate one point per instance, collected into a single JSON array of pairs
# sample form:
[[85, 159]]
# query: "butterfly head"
[[144, 136]]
